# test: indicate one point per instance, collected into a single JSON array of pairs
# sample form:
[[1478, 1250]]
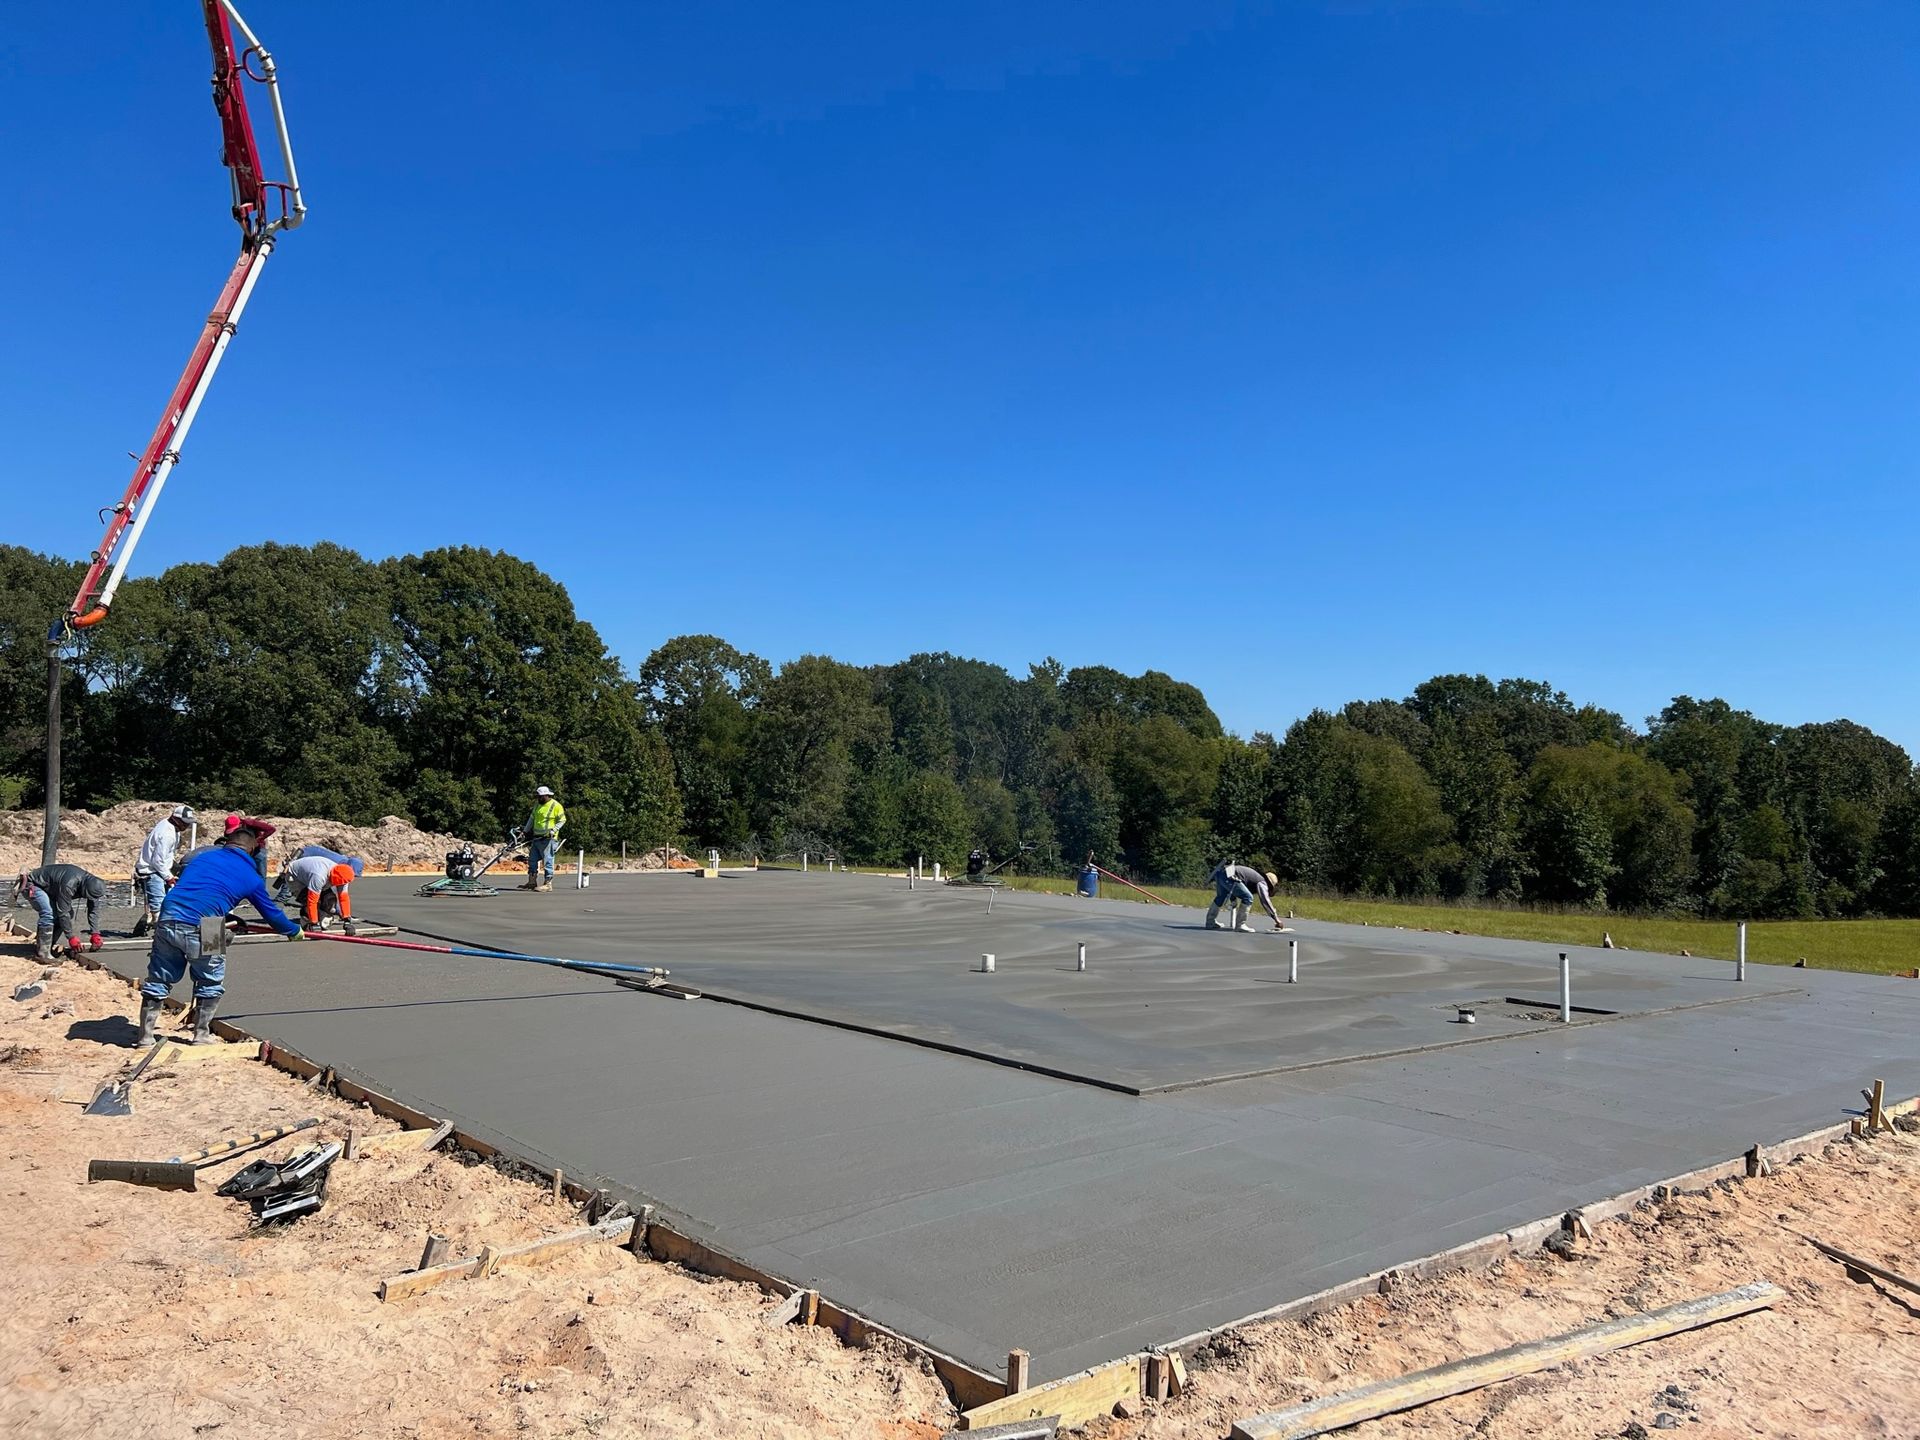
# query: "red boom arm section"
[[241, 155]]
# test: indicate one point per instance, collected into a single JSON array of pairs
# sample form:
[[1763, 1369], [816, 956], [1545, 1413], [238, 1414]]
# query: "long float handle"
[[1129, 884], [589, 966]]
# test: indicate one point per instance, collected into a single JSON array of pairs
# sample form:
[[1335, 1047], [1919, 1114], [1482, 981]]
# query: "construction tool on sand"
[[112, 1097], [464, 873], [279, 1191], [180, 1172]]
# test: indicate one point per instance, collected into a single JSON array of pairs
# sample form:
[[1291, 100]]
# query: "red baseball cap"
[[259, 827]]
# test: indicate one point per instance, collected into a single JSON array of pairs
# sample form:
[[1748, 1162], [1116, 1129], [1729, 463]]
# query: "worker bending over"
[[53, 890], [325, 886], [1234, 886], [159, 856], [549, 817], [191, 933]]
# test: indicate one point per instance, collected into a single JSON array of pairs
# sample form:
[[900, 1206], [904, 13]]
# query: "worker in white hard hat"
[[159, 859], [549, 817], [1234, 886]]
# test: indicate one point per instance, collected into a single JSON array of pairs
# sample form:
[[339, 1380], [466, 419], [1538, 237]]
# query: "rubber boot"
[[143, 924], [1213, 916], [43, 942], [203, 1010], [150, 1007], [1243, 918]]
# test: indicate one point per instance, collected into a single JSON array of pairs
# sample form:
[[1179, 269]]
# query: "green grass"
[[1877, 947]]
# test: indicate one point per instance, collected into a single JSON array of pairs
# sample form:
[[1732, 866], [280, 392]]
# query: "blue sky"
[[1302, 351]]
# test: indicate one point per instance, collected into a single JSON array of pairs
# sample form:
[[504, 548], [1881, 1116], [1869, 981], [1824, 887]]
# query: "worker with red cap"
[[191, 935]]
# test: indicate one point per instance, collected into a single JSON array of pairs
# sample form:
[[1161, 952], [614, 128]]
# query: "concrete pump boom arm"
[[260, 219]]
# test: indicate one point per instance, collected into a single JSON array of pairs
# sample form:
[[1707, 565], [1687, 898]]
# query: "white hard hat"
[[543, 790], [184, 814]]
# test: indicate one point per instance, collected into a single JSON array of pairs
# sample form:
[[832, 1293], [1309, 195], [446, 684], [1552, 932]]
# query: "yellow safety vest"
[[548, 817]]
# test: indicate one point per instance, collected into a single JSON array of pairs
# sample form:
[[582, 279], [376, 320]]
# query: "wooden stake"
[[1387, 1397], [559, 1180], [434, 1254], [1017, 1367], [1876, 1099], [350, 1147], [809, 1307], [1159, 1377], [1177, 1367]]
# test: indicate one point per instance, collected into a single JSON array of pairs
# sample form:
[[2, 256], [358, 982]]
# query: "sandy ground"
[[134, 1312]]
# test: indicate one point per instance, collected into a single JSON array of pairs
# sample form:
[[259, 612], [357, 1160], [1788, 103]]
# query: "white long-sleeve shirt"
[[158, 849]]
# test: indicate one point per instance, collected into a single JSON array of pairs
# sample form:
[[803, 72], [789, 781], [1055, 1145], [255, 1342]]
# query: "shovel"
[[111, 1098], [179, 1173]]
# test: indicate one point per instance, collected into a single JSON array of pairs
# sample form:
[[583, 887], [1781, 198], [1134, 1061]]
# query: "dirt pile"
[[107, 843]]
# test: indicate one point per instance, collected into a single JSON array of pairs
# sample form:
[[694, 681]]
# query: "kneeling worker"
[[1234, 886], [191, 933], [325, 886], [53, 891]]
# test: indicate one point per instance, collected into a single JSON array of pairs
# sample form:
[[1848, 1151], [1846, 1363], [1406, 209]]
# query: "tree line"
[[443, 686]]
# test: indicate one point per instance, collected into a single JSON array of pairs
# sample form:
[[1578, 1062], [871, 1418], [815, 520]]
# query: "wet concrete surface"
[[978, 1207], [1164, 1003]]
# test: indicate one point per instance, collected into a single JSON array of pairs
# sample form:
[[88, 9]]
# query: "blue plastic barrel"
[[1090, 883]]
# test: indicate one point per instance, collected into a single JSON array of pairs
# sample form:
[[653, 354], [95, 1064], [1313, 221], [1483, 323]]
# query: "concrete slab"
[[980, 1208], [1164, 1003]]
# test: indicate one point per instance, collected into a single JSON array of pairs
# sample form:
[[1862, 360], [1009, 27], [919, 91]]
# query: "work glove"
[[73, 948], [94, 942]]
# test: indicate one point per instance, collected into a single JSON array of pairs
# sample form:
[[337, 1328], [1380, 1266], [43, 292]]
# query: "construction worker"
[[159, 853], [191, 934], [1234, 886], [543, 838], [324, 884], [53, 890]]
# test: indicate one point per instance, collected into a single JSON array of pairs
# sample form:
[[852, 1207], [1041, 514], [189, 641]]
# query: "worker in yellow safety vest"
[[543, 838]]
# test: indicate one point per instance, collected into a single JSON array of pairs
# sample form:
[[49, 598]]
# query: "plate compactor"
[[465, 875]]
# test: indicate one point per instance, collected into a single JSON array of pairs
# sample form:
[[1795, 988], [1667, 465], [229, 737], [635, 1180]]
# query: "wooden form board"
[[472, 1267], [400, 1142], [180, 1052], [1387, 1397], [1075, 1400]]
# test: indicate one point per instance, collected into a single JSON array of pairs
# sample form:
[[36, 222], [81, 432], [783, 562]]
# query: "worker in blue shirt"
[[191, 934]]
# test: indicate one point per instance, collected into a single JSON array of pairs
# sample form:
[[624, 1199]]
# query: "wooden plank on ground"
[[1076, 1399], [538, 1252], [181, 1052], [402, 1142], [1865, 1267], [399, 1287], [787, 1311], [1387, 1397]]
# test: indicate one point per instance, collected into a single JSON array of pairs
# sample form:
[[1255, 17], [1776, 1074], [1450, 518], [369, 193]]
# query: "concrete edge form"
[[1483, 1253]]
